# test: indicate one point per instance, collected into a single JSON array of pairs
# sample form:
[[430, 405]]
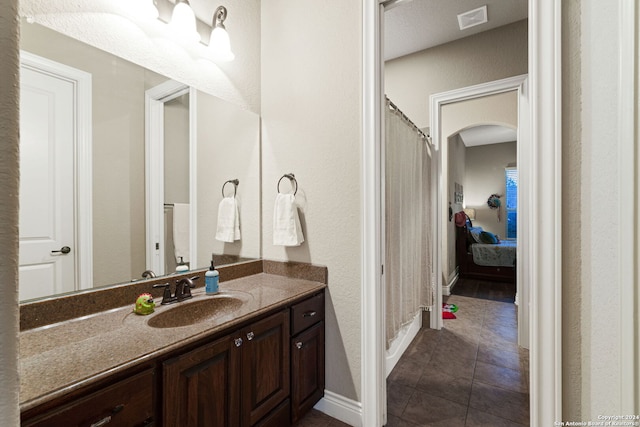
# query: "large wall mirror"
[[205, 141]]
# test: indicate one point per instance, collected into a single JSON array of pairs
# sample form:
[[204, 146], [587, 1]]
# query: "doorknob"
[[64, 250]]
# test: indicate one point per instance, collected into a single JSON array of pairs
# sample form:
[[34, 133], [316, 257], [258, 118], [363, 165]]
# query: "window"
[[511, 202]]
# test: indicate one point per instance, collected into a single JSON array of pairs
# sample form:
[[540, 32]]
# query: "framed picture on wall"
[[458, 194]]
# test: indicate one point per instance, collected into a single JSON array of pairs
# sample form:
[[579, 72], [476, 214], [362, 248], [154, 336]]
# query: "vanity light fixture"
[[183, 21], [219, 43]]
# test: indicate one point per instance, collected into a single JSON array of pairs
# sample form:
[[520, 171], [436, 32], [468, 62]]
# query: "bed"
[[485, 261]]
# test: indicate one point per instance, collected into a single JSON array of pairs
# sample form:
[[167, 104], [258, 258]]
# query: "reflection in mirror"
[[176, 184], [109, 245]]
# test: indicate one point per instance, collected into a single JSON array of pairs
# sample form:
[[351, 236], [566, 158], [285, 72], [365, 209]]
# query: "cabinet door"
[[265, 366], [307, 370], [128, 403], [201, 388], [279, 417]]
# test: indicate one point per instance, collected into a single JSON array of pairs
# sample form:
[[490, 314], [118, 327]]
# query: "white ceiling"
[[487, 134], [414, 25]]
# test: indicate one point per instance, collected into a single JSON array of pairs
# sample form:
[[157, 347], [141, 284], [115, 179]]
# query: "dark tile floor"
[[496, 291], [471, 373], [317, 419]]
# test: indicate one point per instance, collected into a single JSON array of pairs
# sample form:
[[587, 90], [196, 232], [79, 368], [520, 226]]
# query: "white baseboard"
[[453, 279], [341, 408], [402, 341]]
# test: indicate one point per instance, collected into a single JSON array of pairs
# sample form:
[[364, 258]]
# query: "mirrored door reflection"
[[176, 184]]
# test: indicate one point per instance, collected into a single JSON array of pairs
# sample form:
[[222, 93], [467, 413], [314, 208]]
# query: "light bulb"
[[183, 22], [220, 45]]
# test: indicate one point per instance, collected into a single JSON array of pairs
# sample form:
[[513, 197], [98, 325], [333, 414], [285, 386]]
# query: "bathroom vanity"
[[252, 355]]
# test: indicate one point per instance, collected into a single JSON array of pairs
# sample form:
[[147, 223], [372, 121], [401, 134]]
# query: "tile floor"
[[317, 419], [471, 373]]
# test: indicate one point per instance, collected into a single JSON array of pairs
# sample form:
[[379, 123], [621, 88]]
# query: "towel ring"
[[235, 183], [291, 177]]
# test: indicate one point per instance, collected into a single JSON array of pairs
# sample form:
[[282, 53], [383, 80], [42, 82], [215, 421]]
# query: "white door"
[[47, 230]]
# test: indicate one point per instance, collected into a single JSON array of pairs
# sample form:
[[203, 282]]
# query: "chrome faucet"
[[148, 274]]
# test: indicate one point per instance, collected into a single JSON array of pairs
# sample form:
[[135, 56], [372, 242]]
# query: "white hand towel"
[[228, 220], [287, 230], [181, 232], [236, 228]]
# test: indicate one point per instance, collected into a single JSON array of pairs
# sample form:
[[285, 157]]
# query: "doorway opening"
[[446, 110], [543, 267], [169, 187]]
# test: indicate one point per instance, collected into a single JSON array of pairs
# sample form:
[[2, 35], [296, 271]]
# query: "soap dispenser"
[[211, 280], [182, 267]]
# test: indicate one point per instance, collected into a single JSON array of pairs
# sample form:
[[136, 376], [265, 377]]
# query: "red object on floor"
[[448, 315]]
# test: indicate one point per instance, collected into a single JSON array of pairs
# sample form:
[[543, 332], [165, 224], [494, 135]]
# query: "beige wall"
[[456, 168], [488, 56], [228, 148], [176, 150], [311, 79], [500, 109], [484, 176]]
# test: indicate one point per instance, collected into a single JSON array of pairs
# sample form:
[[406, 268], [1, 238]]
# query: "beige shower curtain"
[[408, 202]]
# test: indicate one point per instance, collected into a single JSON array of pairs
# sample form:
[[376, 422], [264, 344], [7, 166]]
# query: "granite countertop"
[[58, 358]]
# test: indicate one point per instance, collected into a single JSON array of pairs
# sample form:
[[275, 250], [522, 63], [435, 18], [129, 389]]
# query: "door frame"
[[436, 102], [155, 99], [629, 188], [546, 250], [83, 162]]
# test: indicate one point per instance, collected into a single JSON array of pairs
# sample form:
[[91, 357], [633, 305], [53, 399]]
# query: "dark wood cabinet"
[[279, 417], [307, 370], [127, 403], [307, 355], [234, 381], [265, 366], [202, 387], [268, 373]]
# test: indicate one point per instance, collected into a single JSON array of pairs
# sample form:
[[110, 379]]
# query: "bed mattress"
[[502, 254]]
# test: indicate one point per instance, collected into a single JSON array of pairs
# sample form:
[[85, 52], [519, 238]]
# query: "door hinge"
[[382, 270]]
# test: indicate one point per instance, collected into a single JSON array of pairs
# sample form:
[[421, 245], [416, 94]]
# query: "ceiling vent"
[[472, 18]]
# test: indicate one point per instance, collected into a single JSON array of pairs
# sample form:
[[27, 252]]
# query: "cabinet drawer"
[[128, 403], [307, 313]]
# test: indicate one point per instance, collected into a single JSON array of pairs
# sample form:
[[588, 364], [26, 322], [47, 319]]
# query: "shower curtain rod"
[[395, 108]]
